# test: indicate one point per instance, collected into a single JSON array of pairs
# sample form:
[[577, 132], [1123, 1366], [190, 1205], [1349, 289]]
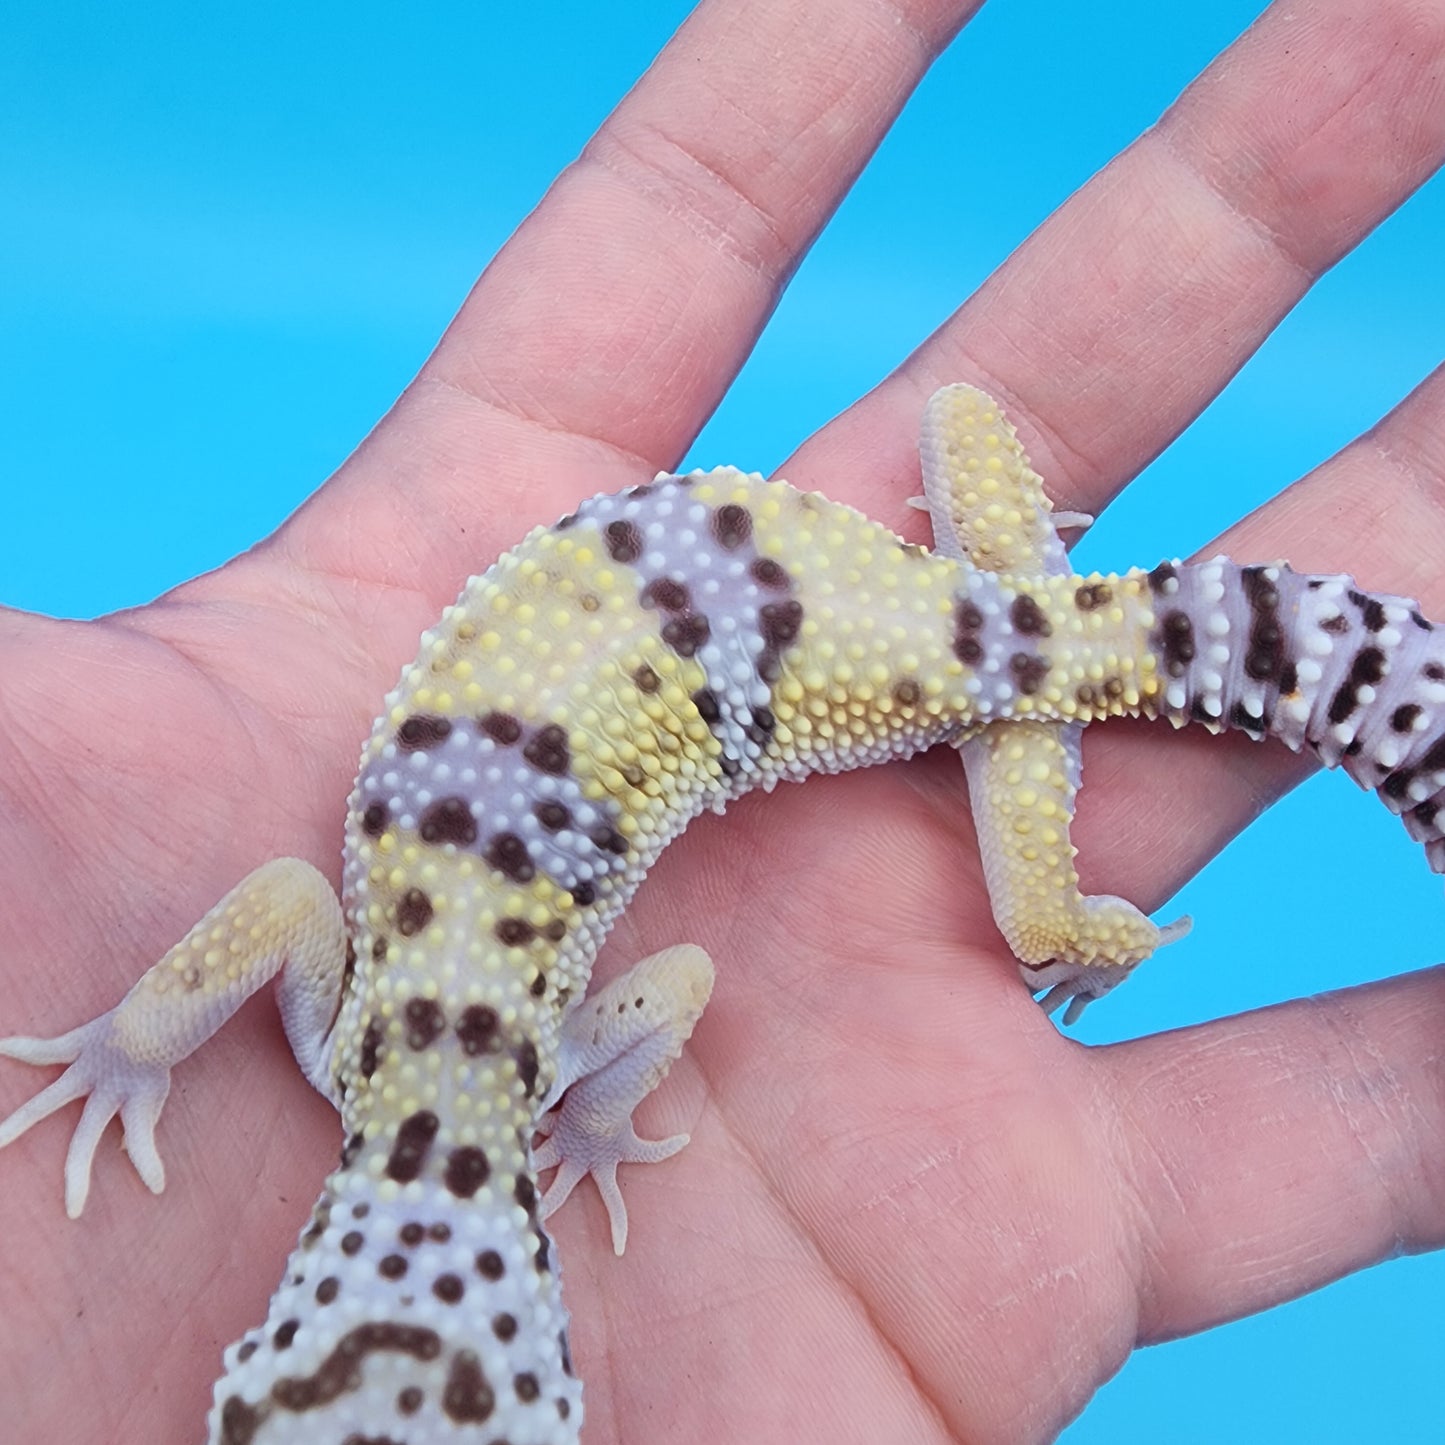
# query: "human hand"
[[910, 1209]]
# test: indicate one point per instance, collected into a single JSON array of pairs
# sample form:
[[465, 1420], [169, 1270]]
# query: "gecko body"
[[656, 654]]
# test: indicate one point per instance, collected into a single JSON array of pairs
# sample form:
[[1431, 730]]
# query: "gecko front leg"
[[283, 918], [617, 1046]]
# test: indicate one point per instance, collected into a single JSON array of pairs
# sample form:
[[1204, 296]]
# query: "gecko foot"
[[111, 1082], [1079, 984], [578, 1148]]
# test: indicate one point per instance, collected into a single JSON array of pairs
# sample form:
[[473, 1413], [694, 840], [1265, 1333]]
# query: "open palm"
[[911, 1210]]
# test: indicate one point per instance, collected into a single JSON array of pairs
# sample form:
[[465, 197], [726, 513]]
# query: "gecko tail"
[[1357, 678], [422, 1316]]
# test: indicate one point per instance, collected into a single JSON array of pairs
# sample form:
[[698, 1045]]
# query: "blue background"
[[229, 240]]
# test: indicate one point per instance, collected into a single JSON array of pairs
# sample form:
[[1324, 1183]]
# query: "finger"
[[605, 332], [1271, 1153], [1130, 307]]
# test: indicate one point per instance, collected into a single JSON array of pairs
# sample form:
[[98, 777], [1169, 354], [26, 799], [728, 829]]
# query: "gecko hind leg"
[[988, 505], [283, 914], [617, 1046]]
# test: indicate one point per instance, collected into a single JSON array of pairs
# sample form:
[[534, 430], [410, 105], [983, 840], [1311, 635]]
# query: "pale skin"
[[911, 1209]]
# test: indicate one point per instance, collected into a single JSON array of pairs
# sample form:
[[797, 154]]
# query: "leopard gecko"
[[656, 653]]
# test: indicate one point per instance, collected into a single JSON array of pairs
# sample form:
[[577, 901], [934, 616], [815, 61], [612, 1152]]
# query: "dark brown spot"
[[378, 948], [607, 838], [508, 854], [501, 727], [552, 815], [555, 930], [285, 1333], [547, 750], [448, 1289], [666, 594], [1264, 655], [1366, 670], [1176, 641], [1424, 813], [1434, 672], [351, 1149], [566, 1349], [1288, 678], [584, 893], [1028, 617], [763, 725], [439, 1232], [467, 1398], [375, 819], [422, 731], [245, 1352], [1368, 667], [907, 693], [413, 912], [767, 573], [504, 1326], [524, 1055], [514, 932], [543, 1257], [1092, 596], [564, 1407], [467, 1171], [340, 1371], [392, 1266], [706, 703], [1162, 575], [780, 622], [1402, 720], [489, 1265], [370, 1048], [448, 820], [424, 1022], [646, 679], [539, 985], [1421, 621], [967, 623], [320, 1218], [410, 1400], [624, 541], [1372, 613], [413, 1143], [352, 1241], [526, 1387], [411, 1233], [732, 525], [1241, 717], [1028, 671], [327, 1290], [686, 634], [239, 1422], [1338, 623], [478, 1031], [524, 1191]]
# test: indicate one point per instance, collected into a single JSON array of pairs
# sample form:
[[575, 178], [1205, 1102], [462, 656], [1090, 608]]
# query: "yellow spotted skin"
[[659, 652]]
